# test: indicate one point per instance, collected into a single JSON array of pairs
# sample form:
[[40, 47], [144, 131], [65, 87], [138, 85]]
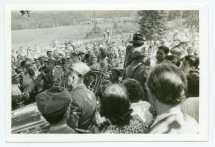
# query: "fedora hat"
[[137, 38]]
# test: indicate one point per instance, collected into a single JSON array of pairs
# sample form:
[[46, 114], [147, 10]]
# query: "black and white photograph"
[[106, 72]]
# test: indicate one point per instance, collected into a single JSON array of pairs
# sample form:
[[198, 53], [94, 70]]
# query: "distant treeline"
[[48, 19]]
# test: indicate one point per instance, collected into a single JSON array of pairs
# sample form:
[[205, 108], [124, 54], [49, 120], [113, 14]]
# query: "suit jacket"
[[139, 72], [127, 61], [82, 108], [178, 123]]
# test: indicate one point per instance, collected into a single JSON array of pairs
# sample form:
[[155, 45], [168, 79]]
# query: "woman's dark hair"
[[193, 60], [164, 48], [115, 105], [167, 83], [135, 90], [23, 63], [171, 58], [87, 56], [193, 84]]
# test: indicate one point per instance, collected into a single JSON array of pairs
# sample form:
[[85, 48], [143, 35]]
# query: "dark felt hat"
[[137, 38]]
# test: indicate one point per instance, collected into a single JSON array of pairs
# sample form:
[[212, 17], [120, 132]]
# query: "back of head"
[[134, 88], [167, 83], [53, 104], [115, 104], [164, 48], [193, 60], [173, 59]]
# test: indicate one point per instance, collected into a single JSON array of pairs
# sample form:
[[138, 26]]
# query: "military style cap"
[[53, 101], [80, 67]]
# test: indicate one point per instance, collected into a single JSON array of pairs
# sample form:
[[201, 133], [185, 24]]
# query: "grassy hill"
[[48, 19], [43, 36]]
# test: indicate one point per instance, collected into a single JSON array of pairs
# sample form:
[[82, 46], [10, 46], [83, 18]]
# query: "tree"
[[173, 14], [191, 18], [152, 23]]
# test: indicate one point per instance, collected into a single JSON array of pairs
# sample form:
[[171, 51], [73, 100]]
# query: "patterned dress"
[[135, 126]]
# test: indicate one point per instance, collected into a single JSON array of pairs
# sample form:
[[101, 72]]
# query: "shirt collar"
[[171, 111], [58, 127], [77, 86]]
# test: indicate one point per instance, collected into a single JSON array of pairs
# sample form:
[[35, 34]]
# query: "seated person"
[[53, 104]]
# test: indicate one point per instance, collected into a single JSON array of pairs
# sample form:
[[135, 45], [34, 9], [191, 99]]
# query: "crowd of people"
[[151, 87]]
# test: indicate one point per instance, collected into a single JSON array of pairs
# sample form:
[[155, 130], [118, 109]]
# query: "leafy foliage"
[[190, 18], [152, 23]]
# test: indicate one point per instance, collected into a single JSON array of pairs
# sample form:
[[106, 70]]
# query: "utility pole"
[[94, 20]]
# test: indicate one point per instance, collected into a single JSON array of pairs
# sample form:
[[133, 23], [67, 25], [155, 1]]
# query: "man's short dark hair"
[[173, 57], [193, 60], [193, 84], [167, 83], [48, 52], [29, 65], [23, 63], [164, 48]]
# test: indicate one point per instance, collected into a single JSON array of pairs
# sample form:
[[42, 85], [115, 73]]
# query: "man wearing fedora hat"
[[83, 106], [137, 41], [137, 69]]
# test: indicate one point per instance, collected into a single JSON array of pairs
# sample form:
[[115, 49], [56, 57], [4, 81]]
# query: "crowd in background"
[[149, 86]]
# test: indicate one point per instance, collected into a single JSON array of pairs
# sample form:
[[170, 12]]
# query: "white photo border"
[[204, 76]]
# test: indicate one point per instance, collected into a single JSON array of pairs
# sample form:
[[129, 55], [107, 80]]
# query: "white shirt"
[[171, 111], [191, 107]]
